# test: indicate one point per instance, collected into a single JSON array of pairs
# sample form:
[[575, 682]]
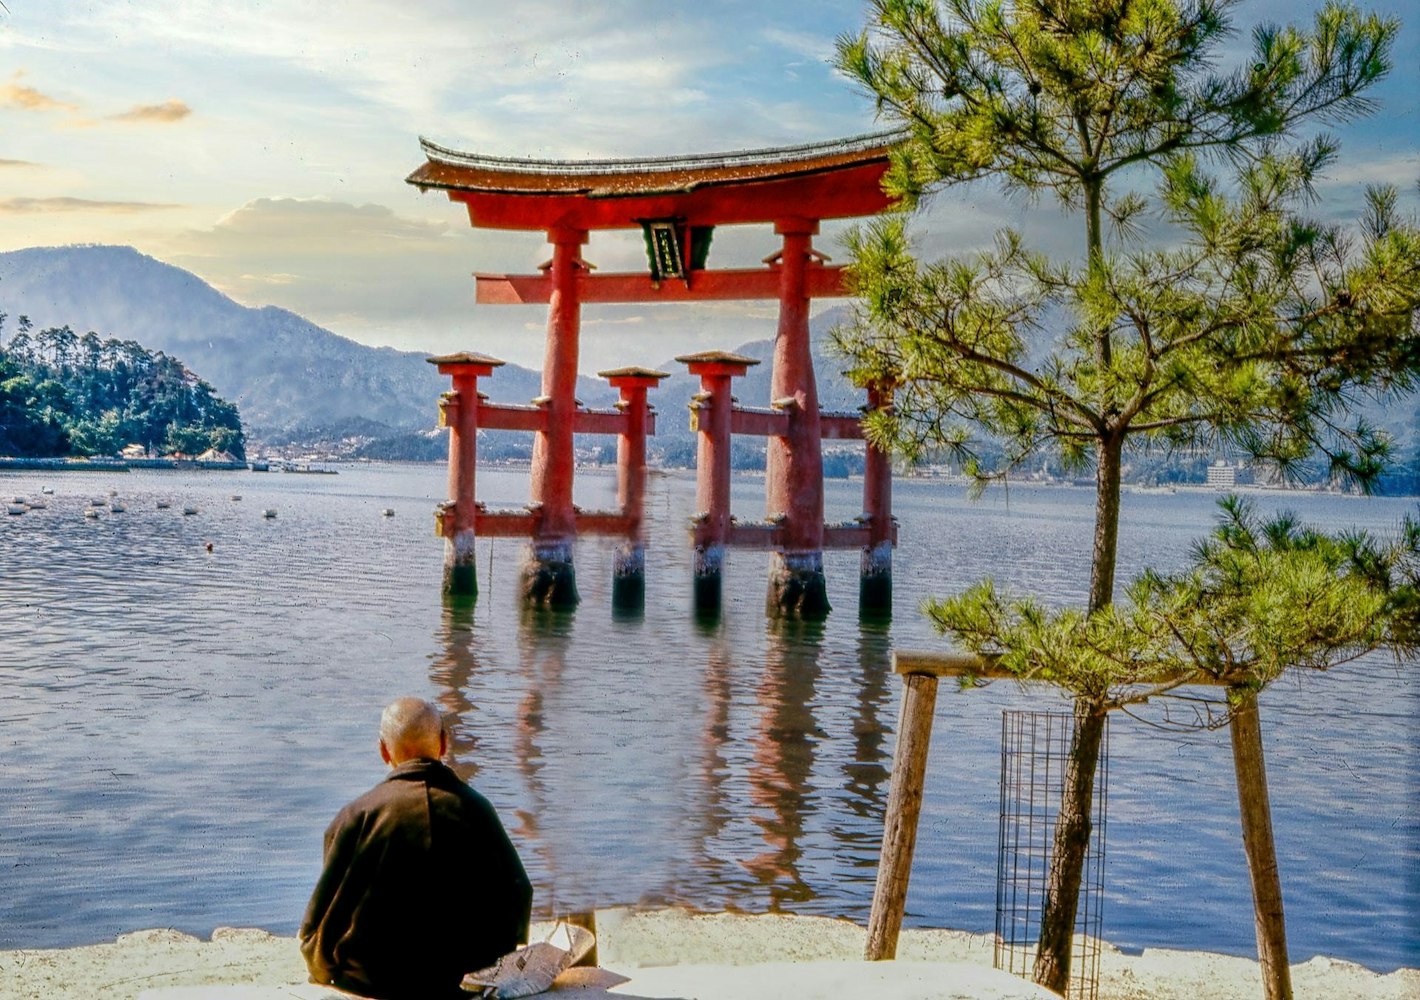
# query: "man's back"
[[420, 886]]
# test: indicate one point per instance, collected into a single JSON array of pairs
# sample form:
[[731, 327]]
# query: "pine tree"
[[1256, 328]]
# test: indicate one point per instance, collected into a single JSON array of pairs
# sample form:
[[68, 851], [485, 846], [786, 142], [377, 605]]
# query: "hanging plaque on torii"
[[676, 202]]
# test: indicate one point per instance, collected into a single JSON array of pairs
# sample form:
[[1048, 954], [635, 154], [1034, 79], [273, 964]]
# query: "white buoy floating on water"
[[116, 507], [98, 502], [388, 512], [47, 490], [15, 508], [164, 504], [189, 510], [268, 513], [91, 512]]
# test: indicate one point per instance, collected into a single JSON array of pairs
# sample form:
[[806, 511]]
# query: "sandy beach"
[[674, 953]]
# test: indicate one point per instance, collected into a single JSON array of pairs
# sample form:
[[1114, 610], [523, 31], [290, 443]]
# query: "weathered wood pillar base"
[[797, 587], [709, 564], [460, 574], [628, 578], [548, 577], [875, 581]]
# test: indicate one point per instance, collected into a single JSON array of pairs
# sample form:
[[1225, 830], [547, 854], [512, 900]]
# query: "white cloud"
[[20, 97], [1401, 170], [91, 206], [171, 110]]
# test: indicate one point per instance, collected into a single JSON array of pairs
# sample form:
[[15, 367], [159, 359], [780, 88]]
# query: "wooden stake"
[[1256, 812], [904, 806]]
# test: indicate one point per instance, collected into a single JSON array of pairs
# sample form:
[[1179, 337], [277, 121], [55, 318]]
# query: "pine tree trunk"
[[1067, 853], [1073, 823], [1106, 540], [1256, 811]]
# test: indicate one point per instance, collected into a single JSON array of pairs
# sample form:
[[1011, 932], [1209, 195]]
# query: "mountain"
[[283, 372]]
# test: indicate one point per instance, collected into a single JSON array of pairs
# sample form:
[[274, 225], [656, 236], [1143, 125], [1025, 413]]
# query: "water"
[[178, 725]]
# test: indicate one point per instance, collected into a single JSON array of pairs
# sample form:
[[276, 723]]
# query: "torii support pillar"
[[457, 518], [711, 411], [794, 473], [548, 576], [875, 569], [628, 578]]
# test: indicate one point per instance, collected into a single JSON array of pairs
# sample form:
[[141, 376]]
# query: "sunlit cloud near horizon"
[[265, 147]]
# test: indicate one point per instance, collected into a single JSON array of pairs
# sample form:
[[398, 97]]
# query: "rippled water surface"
[[179, 725]]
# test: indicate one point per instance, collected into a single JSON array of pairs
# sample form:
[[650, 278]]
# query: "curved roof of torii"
[[837, 179]]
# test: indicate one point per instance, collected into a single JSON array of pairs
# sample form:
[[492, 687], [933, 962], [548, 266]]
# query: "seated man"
[[421, 884]]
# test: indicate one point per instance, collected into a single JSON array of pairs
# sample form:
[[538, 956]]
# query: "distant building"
[[1222, 476]]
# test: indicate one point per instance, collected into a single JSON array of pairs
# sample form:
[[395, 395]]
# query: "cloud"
[[37, 206], [17, 163], [387, 278], [318, 225], [16, 95], [1401, 170], [356, 269], [169, 111]]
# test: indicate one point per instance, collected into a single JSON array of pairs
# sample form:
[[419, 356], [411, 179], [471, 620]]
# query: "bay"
[[179, 725]]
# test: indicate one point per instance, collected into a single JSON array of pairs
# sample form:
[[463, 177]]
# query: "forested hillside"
[[66, 394]]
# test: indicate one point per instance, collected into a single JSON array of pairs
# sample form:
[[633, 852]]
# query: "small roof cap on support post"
[[465, 362], [717, 363], [630, 378]]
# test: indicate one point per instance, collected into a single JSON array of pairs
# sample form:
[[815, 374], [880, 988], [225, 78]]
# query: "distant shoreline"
[[514, 465]]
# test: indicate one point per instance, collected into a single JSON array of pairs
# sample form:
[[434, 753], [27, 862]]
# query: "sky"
[[263, 145]]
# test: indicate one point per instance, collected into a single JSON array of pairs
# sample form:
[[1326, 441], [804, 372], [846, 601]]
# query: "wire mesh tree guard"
[[1035, 752]]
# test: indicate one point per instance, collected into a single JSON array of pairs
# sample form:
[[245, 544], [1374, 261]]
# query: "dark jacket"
[[421, 885]]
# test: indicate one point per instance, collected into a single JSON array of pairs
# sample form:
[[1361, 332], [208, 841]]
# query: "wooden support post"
[[794, 462], [711, 412], [628, 580], [457, 518], [548, 575], [904, 806], [875, 568], [1245, 729]]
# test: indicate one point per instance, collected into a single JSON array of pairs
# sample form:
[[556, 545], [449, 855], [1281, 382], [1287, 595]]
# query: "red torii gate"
[[676, 202]]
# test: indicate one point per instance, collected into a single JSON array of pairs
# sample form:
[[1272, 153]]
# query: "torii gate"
[[676, 202]]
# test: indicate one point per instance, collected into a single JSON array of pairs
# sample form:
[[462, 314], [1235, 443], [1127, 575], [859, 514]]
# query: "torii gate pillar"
[[628, 580], [457, 518], [794, 465], [712, 417], [875, 566], [548, 575]]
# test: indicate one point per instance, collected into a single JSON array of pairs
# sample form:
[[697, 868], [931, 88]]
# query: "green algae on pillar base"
[[460, 574]]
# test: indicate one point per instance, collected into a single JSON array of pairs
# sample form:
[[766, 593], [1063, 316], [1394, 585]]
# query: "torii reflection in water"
[[754, 752]]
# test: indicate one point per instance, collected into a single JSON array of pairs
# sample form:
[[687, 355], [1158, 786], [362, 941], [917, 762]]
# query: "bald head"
[[410, 728]]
